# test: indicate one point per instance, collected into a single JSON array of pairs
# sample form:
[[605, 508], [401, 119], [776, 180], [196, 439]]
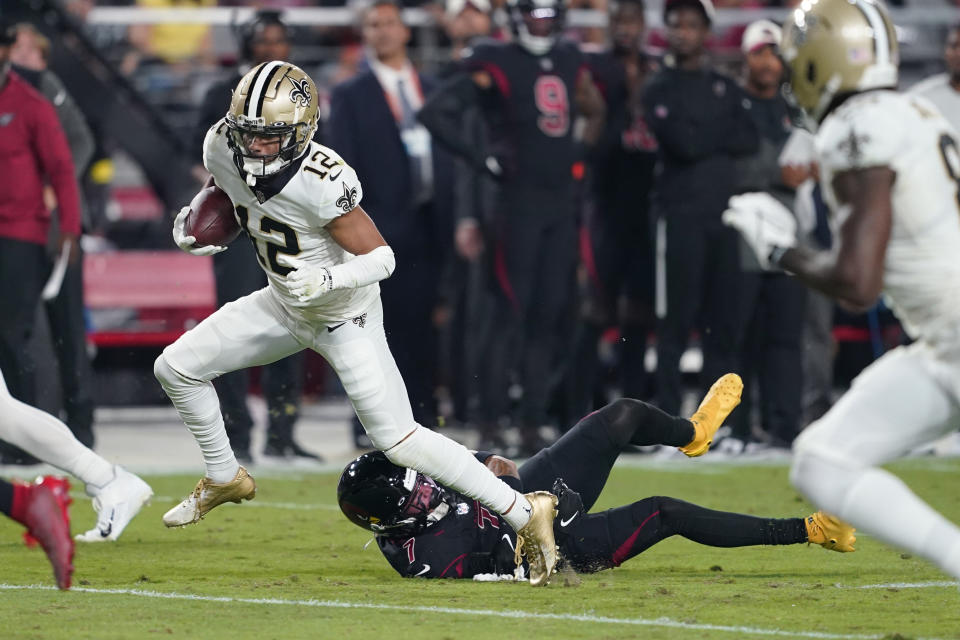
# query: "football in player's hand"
[[211, 220]]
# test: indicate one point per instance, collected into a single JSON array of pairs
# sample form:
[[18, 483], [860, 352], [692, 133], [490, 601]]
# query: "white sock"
[[450, 464], [879, 503], [44, 437], [199, 408]]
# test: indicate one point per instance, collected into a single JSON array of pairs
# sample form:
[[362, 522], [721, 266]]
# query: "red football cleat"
[[36, 506], [61, 491]]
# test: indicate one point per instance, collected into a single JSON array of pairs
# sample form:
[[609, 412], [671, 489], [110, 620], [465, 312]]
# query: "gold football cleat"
[[830, 532], [536, 541], [721, 399], [207, 495]]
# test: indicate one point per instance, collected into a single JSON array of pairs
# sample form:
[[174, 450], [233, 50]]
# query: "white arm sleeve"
[[363, 269]]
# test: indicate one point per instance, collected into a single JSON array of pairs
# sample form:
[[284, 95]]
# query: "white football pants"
[[905, 399], [44, 437], [257, 329]]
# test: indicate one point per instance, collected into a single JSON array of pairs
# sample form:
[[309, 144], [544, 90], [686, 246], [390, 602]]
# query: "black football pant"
[[584, 456], [702, 281], [773, 356], [238, 273], [532, 256], [23, 270]]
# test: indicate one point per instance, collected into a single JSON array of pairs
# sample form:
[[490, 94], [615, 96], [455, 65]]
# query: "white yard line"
[[490, 613], [901, 585]]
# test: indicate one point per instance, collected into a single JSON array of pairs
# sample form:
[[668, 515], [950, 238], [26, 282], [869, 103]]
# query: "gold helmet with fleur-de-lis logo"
[[274, 102], [837, 47]]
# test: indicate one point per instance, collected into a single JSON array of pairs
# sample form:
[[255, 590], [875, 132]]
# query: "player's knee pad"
[[169, 377], [823, 477], [622, 417]]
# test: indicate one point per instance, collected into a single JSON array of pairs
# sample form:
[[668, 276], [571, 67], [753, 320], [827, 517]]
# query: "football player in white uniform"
[[299, 203], [890, 172], [117, 494]]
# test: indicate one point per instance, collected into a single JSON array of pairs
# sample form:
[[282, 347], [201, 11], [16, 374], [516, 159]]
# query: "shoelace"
[[518, 551]]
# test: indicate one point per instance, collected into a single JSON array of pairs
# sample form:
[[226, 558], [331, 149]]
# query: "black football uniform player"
[[426, 530], [618, 254], [530, 92]]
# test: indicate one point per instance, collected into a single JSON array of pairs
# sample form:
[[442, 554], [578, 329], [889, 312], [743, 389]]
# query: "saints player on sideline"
[[890, 172], [117, 494], [425, 530], [299, 204]]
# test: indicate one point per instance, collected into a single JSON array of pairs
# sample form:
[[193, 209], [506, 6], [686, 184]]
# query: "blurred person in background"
[[773, 302], [65, 312], [466, 23], [619, 260], [943, 89], [33, 152], [407, 186], [262, 39], [170, 43], [701, 120], [531, 93]]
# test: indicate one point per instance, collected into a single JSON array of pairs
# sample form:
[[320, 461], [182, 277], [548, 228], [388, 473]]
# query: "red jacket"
[[33, 150]]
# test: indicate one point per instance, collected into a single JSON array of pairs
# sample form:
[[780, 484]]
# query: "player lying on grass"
[[35, 507], [426, 530], [117, 494]]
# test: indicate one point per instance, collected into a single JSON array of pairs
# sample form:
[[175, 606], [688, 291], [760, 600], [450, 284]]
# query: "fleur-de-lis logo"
[[348, 200], [300, 94]]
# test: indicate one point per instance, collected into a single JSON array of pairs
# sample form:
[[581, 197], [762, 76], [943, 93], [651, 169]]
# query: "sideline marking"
[[573, 617]]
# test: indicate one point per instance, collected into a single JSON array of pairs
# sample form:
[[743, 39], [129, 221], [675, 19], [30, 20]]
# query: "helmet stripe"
[[266, 86], [255, 96], [881, 41], [253, 81]]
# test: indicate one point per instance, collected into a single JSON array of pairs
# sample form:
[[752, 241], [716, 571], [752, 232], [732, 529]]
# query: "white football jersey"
[[292, 222], [921, 280]]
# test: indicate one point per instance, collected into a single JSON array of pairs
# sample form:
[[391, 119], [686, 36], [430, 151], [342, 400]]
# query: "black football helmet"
[[381, 497], [536, 24]]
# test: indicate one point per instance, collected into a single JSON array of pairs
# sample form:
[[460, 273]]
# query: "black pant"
[[584, 456], [238, 273], [65, 314], [703, 276], [531, 253], [618, 259], [409, 298], [772, 354], [24, 267]]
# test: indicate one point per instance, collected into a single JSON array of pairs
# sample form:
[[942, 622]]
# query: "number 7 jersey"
[[921, 279], [292, 222]]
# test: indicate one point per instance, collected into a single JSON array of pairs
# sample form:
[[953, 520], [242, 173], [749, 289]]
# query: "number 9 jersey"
[[906, 133], [286, 216]]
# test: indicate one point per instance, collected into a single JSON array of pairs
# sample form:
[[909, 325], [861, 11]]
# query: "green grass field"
[[288, 565]]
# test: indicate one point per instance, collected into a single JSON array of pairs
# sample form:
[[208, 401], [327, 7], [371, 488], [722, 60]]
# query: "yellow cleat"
[[207, 495], [829, 532], [721, 399], [536, 541]]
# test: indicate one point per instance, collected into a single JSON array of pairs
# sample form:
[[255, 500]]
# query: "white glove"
[[185, 242], [766, 225], [799, 150], [307, 281]]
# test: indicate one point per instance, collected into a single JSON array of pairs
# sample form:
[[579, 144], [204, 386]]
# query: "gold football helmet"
[[272, 118], [833, 47]]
